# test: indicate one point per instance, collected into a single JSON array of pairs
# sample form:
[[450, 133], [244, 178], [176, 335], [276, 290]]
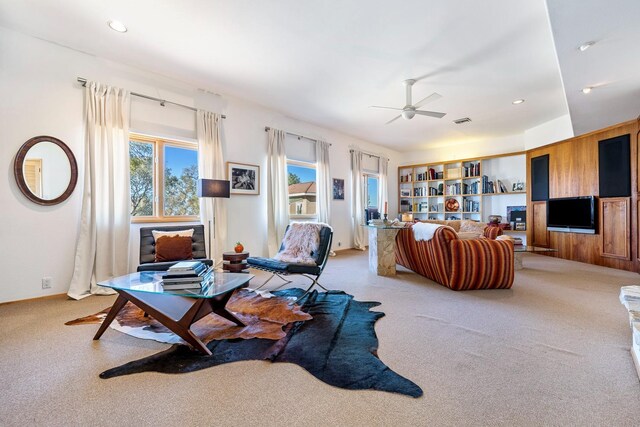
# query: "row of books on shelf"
[[467, 170], [432, 174], [187, 275], [472, 169], [491, 186], [463, 188], [468, 206], [452, 189]]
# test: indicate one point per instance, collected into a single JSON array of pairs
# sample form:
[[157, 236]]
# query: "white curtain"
[[211, 166], [357, 201], [277, 190], [323, 182], [102, 250], [383, 187]]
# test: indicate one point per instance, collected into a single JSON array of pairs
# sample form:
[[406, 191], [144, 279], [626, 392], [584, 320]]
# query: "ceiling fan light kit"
[[409, 111]]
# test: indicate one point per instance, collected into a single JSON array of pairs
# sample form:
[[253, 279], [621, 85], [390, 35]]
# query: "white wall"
[[549, 132], [467, 150], [40, 96]]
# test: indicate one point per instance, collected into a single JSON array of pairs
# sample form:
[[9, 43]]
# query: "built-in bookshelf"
[[463, 189]]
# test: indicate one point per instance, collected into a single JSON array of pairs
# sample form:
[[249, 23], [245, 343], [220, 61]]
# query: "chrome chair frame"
[[280, 274]]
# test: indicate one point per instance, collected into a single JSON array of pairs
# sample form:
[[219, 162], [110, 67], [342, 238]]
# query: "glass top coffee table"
[[175, 309], [520, 249]]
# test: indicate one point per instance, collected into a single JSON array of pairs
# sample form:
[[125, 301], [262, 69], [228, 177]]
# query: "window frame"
[[304, 165], [158, 144]]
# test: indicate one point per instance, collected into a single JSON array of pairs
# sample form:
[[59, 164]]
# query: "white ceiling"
[[611, 66], [327, 62]]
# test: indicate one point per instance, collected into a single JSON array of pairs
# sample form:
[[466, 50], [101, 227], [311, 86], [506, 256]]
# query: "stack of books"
[[186, 275], [630, 298]]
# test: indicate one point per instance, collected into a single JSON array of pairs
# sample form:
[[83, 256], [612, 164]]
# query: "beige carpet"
[[554, 350]]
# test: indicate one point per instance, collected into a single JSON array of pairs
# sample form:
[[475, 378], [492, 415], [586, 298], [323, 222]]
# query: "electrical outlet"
[[46, 282], [339, 244]]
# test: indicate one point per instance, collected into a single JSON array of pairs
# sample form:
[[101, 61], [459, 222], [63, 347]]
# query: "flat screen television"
[[572, 214]]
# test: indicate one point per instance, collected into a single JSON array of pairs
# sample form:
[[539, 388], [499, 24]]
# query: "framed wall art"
[[338, 189], [244, 178]]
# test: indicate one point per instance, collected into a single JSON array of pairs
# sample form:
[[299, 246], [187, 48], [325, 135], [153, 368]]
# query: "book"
[[185, 265], [180, 286], [188, 279], [189, 272]]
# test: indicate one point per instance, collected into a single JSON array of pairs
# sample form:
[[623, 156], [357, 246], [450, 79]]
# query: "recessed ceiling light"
[[518, 101], [586, 89], [586, 46], [117, 26]]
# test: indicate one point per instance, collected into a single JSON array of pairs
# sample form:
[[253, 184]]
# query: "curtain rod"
[[162, 102], [266, 129], [368, 154]]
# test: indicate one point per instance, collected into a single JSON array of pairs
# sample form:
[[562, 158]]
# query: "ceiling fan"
[[411, 110]]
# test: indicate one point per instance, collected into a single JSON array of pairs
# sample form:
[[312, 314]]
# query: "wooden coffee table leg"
[[218, 307], [159, 307], [115, 309], [191, 338]]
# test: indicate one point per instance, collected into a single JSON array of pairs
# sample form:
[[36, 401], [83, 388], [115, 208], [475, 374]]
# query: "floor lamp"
[[217, 188]]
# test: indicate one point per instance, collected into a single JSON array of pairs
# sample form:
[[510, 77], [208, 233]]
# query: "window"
[[371, 210], [302, 189], [371, 190], [164, 177]]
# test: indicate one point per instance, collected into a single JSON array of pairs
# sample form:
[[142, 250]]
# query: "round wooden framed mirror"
[[45, 170]]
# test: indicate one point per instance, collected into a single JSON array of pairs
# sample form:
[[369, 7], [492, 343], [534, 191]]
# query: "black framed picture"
[[338, 189], [244, 178]]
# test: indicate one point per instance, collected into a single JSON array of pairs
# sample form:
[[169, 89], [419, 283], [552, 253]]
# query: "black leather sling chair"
[[310, 271], [148, 247]]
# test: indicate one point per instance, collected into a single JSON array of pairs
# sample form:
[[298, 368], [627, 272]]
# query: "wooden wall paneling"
[[637, 241], [615, 227], [573, 171], [540, 235]]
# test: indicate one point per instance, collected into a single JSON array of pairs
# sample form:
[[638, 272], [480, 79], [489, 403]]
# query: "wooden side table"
[[234, 262]]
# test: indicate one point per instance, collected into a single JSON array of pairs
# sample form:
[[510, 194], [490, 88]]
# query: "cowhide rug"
[[264, 317], [338, 346]]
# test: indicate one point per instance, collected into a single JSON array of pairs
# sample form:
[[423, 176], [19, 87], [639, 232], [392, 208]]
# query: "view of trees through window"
[[180, 181], [141, 171], [178, 186]]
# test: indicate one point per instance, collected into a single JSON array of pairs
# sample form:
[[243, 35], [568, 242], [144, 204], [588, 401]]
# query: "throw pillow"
[[157, 233], [469, 235], [477, 227], [173, 248]]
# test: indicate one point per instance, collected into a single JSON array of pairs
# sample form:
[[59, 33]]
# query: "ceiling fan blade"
[[386, 108], [393, 120], [433, 97], [431, 114]]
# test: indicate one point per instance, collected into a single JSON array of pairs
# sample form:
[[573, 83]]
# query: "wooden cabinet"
[[539, 233], [615, 227]]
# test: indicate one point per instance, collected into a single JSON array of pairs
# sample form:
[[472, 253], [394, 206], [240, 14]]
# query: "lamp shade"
[[213, 188]]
